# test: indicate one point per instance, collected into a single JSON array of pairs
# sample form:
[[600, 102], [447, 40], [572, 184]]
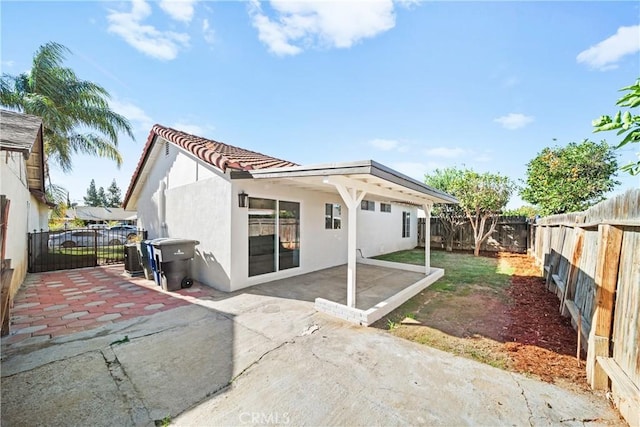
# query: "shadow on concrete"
[[134, 372]]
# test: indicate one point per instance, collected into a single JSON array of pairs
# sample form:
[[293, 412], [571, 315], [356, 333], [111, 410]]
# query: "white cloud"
[[300, 25], [604, 55], [207, 32], [191, 128], [483, 158], [449, 153], [408, 3], [510, 82], [188, 126], [180, 10], [7, 64], [384, 144], [414, 170], [514, 120], [136, 115], [146, 38]]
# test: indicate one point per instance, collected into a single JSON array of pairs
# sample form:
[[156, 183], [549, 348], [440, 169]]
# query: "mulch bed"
[[538, 339]]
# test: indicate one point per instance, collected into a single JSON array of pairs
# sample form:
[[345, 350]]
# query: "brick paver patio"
[[58, 303]]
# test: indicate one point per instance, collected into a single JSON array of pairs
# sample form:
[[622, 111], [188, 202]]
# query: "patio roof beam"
[[352, 197], [400, 194]]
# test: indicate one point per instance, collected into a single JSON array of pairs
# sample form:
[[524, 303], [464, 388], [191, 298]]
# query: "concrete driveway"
[[256, 359]]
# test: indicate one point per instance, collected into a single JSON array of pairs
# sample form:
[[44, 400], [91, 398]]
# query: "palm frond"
[[92, 144], [68, 106]]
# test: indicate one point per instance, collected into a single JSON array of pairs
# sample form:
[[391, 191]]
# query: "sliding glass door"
[[274, 235], [289, 235]]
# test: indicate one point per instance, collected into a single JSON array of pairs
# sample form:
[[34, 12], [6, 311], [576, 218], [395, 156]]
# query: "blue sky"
[[413, 85]]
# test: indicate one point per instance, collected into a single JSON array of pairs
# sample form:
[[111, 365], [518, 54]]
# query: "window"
[[332, 216], [368, 205], [406, 224], [385, 207]]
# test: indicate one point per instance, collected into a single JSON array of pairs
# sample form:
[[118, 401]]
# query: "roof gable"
[[22, 133], [218, 154]]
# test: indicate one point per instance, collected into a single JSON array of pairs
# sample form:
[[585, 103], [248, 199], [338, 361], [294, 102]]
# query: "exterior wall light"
[[243, 199]]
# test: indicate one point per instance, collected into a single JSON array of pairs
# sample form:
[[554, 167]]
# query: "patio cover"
[[353, 181]]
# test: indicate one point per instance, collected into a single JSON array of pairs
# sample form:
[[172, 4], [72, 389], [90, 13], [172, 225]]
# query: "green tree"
[[482, 197], [102, 197], [92, 199], [625, 123], [528, 211], [114, 195], [451, 216], [75, 113], [571, 178]]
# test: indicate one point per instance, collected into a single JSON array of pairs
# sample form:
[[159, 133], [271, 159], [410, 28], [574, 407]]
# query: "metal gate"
[[78, 248]]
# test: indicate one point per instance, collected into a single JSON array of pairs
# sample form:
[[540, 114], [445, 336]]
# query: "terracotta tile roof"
[[218, 154], [221, 155]]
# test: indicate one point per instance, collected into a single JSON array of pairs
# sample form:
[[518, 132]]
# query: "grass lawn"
[[493, 309], [456, 313], [461, 270], [102, 251]]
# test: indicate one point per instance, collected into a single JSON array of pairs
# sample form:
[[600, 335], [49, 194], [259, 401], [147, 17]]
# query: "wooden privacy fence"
[[511, 235], [591, 260]]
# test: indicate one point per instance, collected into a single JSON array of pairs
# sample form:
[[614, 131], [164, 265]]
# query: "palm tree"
[[75, 113]]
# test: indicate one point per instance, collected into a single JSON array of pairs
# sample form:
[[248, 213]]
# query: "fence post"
[[609, 247], [572, 275]]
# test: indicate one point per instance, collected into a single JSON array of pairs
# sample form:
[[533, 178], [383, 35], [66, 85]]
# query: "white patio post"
[[427, 237], [352, 199]]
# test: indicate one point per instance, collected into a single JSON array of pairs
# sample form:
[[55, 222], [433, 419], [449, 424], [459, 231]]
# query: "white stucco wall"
[[319, 248], [201, 203], [196, 206], [26, 214], [381, 232]]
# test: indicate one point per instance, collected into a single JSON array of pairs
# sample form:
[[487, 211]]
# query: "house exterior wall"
[[26, 214], [185, 198], [319, 248], [381, 232]]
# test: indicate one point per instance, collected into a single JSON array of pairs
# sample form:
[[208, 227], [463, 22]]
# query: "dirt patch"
[[517, 327]]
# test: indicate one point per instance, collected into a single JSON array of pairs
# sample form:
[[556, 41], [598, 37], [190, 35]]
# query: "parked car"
[[87, 238], [98, 226], [129, 231]]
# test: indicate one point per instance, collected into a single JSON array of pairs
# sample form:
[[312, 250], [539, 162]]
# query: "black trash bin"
[[172, 262], [132, 264]]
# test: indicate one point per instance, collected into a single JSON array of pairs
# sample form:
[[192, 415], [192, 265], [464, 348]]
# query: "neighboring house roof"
[[90, 213], [22, 133], [218, 154]]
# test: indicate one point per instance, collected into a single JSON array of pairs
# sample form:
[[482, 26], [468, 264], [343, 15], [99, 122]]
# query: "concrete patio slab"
[[262, 357], [73, 391]]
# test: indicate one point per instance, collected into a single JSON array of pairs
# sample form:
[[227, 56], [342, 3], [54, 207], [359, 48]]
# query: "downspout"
[[162, 209]]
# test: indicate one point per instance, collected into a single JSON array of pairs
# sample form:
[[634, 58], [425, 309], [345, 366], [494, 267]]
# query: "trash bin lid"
[[154, 241], [173, 241]]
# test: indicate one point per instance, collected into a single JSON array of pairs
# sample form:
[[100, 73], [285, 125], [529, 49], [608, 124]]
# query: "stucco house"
[[259, 218], [22, 187]]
